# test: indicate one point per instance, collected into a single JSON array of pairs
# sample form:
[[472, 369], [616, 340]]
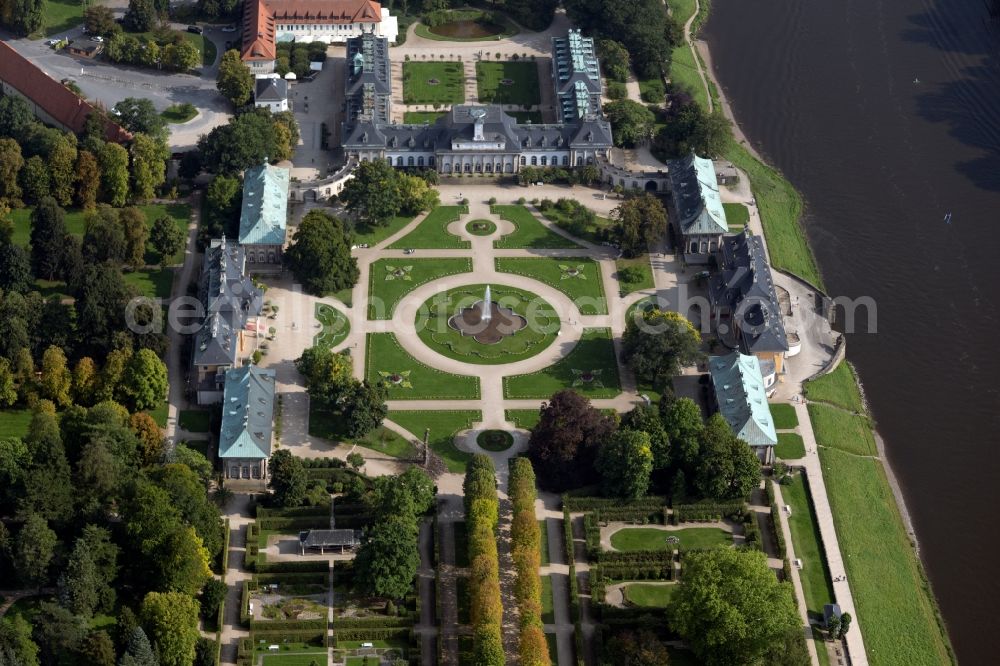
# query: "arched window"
[[545, 160], [704, 247], [489, 168], [534, 160], [712, 247], [399, 160], [468, 168], [430, 160], [694, 247], [409, 161], [523, 160], [565, 161], [260, 256], [579, 160], [420, 161]]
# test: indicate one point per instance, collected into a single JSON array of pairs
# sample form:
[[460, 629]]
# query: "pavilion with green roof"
[[741, 398], [263, 217], [247, 422]]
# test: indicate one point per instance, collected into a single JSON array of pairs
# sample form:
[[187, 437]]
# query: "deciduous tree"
[[48, 238], [320, 255], [373, 194], [11, 163], [138, 115], [88, 178], [113, 160], [728, 467], [288, 478], [136, 233], [234, 80], [8, 387], [631, 122], [34, 549], [149, 166], [638, 224], [145, 380], [166, 238], [387, 561], [172, 620], [625, 463], [15, 268], [57, 380], [659, 345], [637, 648], [61, 162]]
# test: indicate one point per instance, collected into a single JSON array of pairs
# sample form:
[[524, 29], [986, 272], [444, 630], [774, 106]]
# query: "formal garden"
[[433, 82], [406, 378], [432, 232], [389, 280], [508, 82], [334, 326]]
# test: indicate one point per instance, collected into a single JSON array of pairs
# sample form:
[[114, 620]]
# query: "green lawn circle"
[[481, 228], [433, 330], [494, 440]]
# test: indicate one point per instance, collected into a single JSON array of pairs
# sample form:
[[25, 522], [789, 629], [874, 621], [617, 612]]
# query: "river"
[[885, 114]]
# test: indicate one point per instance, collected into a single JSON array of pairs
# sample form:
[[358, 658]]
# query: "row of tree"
[[525, 544], [38, 161], [481, 517], [670, 449]]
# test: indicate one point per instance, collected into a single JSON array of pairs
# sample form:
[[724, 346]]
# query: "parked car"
[[229, 28], [408, 250], [363, 246], [195, 29]]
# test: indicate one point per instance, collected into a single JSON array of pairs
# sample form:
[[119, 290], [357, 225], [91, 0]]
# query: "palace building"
[[476, 138]]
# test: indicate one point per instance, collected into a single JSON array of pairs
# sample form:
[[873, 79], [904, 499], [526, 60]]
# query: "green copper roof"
[[247, 411], [265, 205], [742, 398], [696, 193]]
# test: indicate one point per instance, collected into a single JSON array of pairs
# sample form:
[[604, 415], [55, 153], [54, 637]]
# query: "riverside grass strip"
[[432, 232], [407, 378], [899, 617], [839, 388], [842, 430]]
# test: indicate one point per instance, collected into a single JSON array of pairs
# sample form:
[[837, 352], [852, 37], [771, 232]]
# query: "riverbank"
[[880, 550]]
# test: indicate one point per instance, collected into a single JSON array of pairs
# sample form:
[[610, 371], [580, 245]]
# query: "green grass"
[[417, 88], [14, 423], [524, 117], [737, 215], [421, 117], [487, 229], [372, 236], [434, 330], [543, 544], [684, 73], [294, 659], [443, 426], [385, 355], [432, 233], [200, 42], [646, 538], [328, 425], [179, 113], [842, 430], [523, 90], [160, 414], [194, 420], [548, 617], [335, 324], [644, 282], [61, 15], [154, 283], [780, 207], [593, 353], [682, 10], [20, 219], [899, 618], [790, 446], [529, 232], [808, 544], [649, 596], [585, 288], [384, 294], [784, 415], [837, 388], [523, 418], [593, 232]]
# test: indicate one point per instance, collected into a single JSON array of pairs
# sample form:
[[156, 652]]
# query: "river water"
[[885, 114]]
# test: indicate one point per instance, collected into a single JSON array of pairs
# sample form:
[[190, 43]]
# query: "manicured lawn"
[[540, 330], [524, 117], [899, 618], [808, 544], [443, 426], [179, 213], [547, 614], [645, 280], [194, 420], [324, 423], [433, 83], [577, 277], [14, 423], [784, 416], [523, 418], [159, 414], [508, 83], [295, 659], [646, 538], [415, 381], [391, 279], [374, 235], [737, 215], [838, 388], [543, 544], [591, 232], [842, 430], [152, 283], [20, 219], [530, 233], [335, 325], [421, 117], [780, 207], [790, 446], [432, 233], [61, 15], [593, 354], [682, 10], [649, 596], [179, 113]]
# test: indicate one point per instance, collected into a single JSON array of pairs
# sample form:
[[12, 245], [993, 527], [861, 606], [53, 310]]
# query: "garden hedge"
[[525, 540]]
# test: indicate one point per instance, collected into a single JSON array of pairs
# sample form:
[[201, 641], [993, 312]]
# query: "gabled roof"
[[265, 205], [742, 398], [247, 413], [51, 96], [695, 190], [258, 32], [745, 286], [270, 89], [230, 299], [260, 17]]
